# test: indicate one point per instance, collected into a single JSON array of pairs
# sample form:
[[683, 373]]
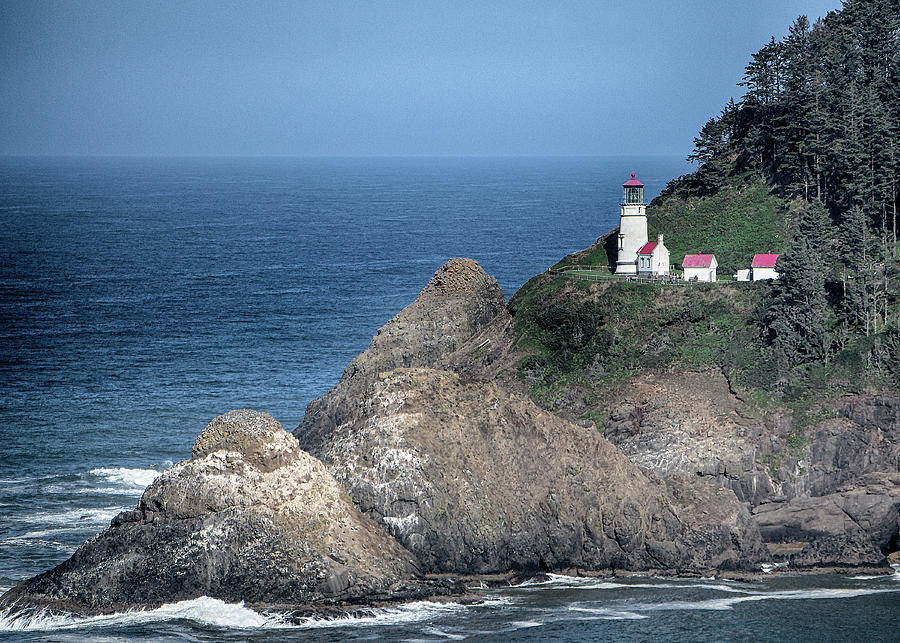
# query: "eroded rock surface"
[[689, 423], [852, 527], [822, 492], [250, 517], [460, 301], [472, 476]]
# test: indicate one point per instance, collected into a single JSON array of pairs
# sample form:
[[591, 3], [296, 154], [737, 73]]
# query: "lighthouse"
[[632, 227]]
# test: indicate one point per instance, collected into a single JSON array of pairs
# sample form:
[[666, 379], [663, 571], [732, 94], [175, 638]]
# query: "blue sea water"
[[139, 298]]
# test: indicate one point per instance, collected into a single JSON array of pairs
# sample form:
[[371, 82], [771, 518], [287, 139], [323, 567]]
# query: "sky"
[[374, 78]]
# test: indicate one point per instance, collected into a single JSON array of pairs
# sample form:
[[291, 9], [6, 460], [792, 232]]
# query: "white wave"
[[562, 578], [73, 519], [203, 611], [401, 614], [520, 625], [716, 587], [606, 613], [9, 481], [142, 478], [32, 541], [433, 631], [575, 582], [560, 581], [730, 602], [113, 491], [528, 583]]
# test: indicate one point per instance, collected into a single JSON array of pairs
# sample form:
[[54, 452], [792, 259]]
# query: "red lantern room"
[[634, 191]]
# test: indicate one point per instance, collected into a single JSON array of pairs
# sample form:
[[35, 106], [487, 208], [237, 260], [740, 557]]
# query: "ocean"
[[140, 298]]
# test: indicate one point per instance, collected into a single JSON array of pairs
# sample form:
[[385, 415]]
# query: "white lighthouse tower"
[[632, 227]]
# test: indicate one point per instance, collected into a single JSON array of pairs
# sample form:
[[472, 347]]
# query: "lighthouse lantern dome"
[[634, 191]]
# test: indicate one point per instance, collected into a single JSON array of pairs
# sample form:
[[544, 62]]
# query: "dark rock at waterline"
[[854, 527], [821, 494], [250, 517]]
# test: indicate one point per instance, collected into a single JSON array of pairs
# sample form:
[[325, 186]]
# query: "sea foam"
[[204, 611], [727, 603], [140, 478]]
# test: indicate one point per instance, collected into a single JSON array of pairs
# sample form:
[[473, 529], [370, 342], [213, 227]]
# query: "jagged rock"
[[460, 300], [688, 423], [250, 517], [473, 477], [855, 527], [804, 495]]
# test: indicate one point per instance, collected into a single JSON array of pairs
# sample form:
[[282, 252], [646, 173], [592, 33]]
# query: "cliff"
[[671, 376], [447, 452]]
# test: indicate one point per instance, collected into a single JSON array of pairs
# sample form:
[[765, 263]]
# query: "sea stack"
[[249, 517]]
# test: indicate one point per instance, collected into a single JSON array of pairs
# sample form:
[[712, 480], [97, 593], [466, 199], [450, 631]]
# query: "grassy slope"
[[740, 220], [587, 338]]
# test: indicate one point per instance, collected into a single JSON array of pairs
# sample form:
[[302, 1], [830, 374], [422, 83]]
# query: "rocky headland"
[[437, 457], [453, 458]]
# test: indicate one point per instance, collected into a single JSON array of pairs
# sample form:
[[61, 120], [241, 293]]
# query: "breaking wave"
[[135, 479], [206, 611], [727, 603], [202, 611]]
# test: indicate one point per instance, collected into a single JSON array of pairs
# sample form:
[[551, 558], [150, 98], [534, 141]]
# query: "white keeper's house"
[[653, 259]]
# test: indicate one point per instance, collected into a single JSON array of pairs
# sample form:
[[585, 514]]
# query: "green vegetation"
[[742, 218], [807, 165], [820, 124], [595, 338]]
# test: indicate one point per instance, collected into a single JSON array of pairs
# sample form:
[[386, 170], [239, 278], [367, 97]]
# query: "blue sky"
[[336, 78]]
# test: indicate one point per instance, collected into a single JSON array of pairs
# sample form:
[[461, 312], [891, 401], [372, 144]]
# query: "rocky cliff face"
[[460, 300], [823, 494], [250, 517], [434, 443]]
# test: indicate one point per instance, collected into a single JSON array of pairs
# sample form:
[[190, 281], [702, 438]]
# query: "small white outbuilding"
[[700, 267], [763, 267]]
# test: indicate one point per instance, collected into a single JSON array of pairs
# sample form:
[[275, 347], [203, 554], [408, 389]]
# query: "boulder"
[[249, 517]]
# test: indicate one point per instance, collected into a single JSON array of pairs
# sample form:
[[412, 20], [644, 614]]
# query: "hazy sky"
[[335, 78]]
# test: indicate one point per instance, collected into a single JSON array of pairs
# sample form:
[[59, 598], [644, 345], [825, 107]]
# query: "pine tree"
[[860, 274], [798, 317]]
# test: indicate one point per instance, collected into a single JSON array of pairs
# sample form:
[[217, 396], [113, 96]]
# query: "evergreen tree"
[[798, 317], [820, 120], [860, 273]]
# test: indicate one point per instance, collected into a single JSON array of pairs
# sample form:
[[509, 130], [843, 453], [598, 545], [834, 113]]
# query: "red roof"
[[647, 248], [764, 261], [697, 261], [633, 183]]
